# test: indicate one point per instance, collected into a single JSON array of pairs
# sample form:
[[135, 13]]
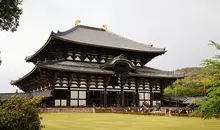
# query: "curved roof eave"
[[29, 58], [46, 67], [16, 81]]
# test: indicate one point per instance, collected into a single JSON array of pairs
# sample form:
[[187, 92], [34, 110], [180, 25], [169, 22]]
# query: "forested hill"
[[189, 70], [192, 85]]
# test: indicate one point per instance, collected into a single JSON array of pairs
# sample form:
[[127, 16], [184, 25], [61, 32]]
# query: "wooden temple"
[[88, 66]]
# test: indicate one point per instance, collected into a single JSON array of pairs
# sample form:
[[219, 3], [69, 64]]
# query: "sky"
[[183, 27]]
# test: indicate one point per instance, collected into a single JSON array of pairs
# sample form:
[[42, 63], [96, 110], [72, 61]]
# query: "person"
[[169, 112], [145, 106]]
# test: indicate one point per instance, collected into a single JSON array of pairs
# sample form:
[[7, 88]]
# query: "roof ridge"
[[75, 27]]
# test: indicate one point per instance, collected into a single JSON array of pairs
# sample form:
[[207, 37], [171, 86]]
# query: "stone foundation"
[[67, 110]]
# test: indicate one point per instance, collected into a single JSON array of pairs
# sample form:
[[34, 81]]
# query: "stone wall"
[[67, 110]]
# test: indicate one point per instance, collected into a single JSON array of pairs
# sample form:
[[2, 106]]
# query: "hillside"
[[192, 85]]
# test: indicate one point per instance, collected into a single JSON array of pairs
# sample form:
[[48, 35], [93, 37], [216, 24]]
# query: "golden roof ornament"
[[77, 22], [104, 27]]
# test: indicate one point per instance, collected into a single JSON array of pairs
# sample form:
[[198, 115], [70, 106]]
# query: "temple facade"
[[88, 66]]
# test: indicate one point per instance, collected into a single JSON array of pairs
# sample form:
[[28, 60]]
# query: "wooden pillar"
[[137, 83], [88, 99], [151, 93], [122, 91], [68, 90], [105, 97], [163, 84], [122, 97], [106, 81], [101, 99], [133, 98], [118, 98]]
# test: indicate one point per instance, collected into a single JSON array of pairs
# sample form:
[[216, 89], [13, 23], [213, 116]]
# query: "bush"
[[20, 114]]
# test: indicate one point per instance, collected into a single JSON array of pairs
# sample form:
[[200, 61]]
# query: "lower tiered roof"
[[94, 68]]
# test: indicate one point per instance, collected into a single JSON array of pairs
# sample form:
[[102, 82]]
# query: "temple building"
[[88, 66]]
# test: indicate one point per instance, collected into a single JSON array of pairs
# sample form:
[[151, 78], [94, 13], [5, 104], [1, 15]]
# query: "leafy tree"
[[192, 85], [9, 14], [211, 106], [20, 114], [1, 101]]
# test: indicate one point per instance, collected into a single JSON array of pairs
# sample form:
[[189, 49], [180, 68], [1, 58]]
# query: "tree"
[[20, 114], [211, 106], [192, 85], [9, 14]]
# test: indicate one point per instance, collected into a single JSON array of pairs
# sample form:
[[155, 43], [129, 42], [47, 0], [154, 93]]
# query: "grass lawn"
[[103, 121]]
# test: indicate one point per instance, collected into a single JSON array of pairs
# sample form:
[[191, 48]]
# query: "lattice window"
[[147, 96], [57, 102], [73, 102], [63, 102], [82, 102], [82, 94], [74, 94], [141, 96]]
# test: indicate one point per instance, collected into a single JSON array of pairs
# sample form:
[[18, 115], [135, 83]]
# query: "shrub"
[[20, 114]]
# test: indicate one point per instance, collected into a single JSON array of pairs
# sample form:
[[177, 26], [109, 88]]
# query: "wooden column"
[[68, 90], [88, 80], [118, 98], [105, 97], [122, 96], [122, 92], [137, 83], [151, 93], [133, 98], [163, 85], [106, 81]]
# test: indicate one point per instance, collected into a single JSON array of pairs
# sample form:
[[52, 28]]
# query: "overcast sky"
[[184, 27]]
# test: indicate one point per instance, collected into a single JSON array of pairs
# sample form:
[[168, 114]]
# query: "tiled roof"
[[183, 100], [100, 37], [43, 94], [94, 68]]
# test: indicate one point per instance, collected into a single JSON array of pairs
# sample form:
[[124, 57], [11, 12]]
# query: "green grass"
[[103, 121]]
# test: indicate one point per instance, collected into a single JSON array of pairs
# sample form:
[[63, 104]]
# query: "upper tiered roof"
[[104, 38], [99, 37]]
